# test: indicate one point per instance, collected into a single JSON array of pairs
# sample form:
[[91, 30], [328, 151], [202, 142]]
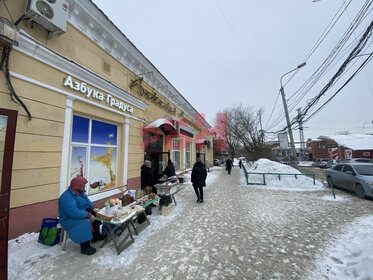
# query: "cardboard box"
[[166, 210], [103, 217]]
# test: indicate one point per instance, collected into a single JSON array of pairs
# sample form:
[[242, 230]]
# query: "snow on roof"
[[354, 141]]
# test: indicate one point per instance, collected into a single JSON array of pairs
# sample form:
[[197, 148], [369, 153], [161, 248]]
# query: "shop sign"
[[93, 93], [153, 97]]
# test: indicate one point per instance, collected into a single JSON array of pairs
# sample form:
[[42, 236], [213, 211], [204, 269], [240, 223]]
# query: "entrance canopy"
[[165, 125]]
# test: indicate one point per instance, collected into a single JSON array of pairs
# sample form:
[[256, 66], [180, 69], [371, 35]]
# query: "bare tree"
[[244, 127]]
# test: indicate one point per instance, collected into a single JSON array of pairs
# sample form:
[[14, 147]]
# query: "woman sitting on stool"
[[74, 217]]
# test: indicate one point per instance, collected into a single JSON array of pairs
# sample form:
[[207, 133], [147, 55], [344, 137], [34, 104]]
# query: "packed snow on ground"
[[351, 257], [286, 182], [26, 256], [337, 198]]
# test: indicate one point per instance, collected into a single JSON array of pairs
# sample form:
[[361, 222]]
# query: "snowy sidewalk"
[[239, 232]]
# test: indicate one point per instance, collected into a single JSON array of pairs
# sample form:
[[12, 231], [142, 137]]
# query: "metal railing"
[[276, 174]]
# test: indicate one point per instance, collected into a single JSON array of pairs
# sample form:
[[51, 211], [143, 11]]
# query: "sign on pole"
[[283, 140]]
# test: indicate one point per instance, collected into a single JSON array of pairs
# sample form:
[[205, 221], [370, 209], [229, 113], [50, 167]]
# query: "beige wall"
[[38, 146]]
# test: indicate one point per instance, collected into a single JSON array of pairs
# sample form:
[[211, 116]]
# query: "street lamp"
[[293, 154]]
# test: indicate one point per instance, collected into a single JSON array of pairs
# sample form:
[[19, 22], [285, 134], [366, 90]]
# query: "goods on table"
[[172, 179], [125, 212], [151, 196], [112, 202], [139, 194], [127, 199], [148, 190]]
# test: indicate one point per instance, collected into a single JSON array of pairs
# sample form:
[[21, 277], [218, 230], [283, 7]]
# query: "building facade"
[[341, 147], [93, 105]]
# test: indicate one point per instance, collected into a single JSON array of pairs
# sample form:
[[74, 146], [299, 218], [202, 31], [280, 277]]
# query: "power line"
[[240, 43]]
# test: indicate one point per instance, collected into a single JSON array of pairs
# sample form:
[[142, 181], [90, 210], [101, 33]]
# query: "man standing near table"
[[148, 177], [170, 169]]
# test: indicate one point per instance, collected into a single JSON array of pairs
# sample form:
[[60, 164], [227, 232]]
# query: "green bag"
[[49, 233]]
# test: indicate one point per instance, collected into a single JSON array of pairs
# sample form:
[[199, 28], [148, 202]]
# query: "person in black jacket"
[[198, 179], [147, 176], [169, 170], [228, 165]]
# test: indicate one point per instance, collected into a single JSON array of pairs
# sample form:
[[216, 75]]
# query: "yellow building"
[[94, 105]]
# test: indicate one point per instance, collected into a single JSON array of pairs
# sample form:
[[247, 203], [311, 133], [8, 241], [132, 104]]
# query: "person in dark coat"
[[198, 179], [169, 170], [240, 163], [75, 211], [228, 165], [147, 176]]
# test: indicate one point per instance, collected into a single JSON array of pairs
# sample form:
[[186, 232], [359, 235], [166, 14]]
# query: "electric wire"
[[10, 15], [4, 65], [326, 66], [352, 76], [336, 51], [323, 35], [241, 44]]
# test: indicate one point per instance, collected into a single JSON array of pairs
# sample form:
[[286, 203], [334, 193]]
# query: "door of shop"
[[8, 121]]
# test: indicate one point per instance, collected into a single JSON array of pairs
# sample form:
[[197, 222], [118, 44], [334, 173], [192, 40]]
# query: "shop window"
[[366, 154], [94, 153], [176, 153]]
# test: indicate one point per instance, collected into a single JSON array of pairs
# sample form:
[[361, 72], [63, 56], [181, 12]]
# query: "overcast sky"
[[218, 53]]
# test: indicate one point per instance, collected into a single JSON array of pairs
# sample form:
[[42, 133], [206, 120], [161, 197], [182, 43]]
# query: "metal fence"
[[263, 175]]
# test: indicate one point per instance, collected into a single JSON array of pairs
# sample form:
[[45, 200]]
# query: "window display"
[[94, 153]]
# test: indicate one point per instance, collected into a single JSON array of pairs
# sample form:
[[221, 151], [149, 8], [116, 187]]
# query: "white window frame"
[[88, 153], [176, 151]]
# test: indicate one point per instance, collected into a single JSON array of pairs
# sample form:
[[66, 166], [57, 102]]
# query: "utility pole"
[[301, 136], [293, 153], [292, 145]]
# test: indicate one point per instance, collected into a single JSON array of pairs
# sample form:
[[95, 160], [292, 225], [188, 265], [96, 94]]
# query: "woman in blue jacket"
[[74, 217]]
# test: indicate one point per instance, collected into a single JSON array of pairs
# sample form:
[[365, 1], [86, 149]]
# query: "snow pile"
[[351, 257], [285, 182]]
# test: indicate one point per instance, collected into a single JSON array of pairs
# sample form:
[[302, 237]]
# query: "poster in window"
[[78, 161], [102, 169]]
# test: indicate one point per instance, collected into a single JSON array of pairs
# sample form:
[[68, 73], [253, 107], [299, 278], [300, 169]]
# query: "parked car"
[[329, 163], [367, 160], [324, 162], [354, 176], [216, 162]]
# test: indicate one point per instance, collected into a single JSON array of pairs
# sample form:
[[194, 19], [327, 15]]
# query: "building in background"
[[341, 146], [93, 105]]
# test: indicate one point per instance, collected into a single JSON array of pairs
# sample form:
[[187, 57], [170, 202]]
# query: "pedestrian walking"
[[198, 179], [240, 163], [228, 165]]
